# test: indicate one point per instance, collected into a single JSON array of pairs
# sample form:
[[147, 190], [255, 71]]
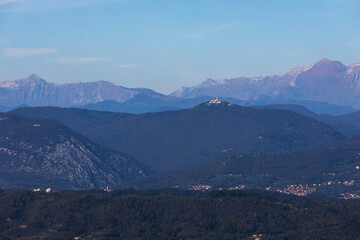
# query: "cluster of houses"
[[350, 196], [240, 187], [38, 190], [201, 187], [298, 190]]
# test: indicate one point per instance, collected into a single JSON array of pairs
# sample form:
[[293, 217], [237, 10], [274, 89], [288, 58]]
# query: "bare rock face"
[[326, 81], [43, 153], [34, 91]]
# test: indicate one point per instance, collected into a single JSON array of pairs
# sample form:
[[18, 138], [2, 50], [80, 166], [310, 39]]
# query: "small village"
[[350, 195], [240, 187], [201, 187], [298, 190]]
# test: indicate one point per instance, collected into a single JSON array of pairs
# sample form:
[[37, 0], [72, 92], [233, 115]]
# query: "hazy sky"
[[167, 44]]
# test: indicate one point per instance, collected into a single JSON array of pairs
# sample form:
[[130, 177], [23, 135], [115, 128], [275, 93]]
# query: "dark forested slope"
[[333, 171], [175, 140], [174, 215]]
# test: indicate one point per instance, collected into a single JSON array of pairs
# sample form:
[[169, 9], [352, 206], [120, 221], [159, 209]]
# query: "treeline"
[[174, 214]]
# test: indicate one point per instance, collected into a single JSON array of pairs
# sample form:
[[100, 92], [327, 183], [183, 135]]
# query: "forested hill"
[[176, 140], [330, 172]]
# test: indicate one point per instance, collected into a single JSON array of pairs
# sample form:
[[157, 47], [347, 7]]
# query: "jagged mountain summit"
[[35, 91], [44, 153], [326, 81]]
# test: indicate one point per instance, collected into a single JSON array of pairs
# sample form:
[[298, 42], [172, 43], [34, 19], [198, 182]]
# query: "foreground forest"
[[174, 214]]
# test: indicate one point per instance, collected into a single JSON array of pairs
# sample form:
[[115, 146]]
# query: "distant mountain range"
[[42, 153], [328, 87], [326, 81], [34, 91], [176, 140]]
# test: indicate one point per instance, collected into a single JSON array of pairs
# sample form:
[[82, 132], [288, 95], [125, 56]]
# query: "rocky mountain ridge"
[[35, 91], [327, 81], [44, 153]]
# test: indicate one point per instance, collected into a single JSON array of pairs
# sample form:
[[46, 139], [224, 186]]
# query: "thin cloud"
[[25, 52], [127, 66], [3, 2], [78, 60]]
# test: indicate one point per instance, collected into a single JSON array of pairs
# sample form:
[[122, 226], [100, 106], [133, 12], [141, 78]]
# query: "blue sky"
[[167, 44]]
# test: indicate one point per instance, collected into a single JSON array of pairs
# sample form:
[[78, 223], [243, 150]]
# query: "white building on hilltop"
[[216, 101]]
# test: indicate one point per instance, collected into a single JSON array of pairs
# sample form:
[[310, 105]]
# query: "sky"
[[168, 44]]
